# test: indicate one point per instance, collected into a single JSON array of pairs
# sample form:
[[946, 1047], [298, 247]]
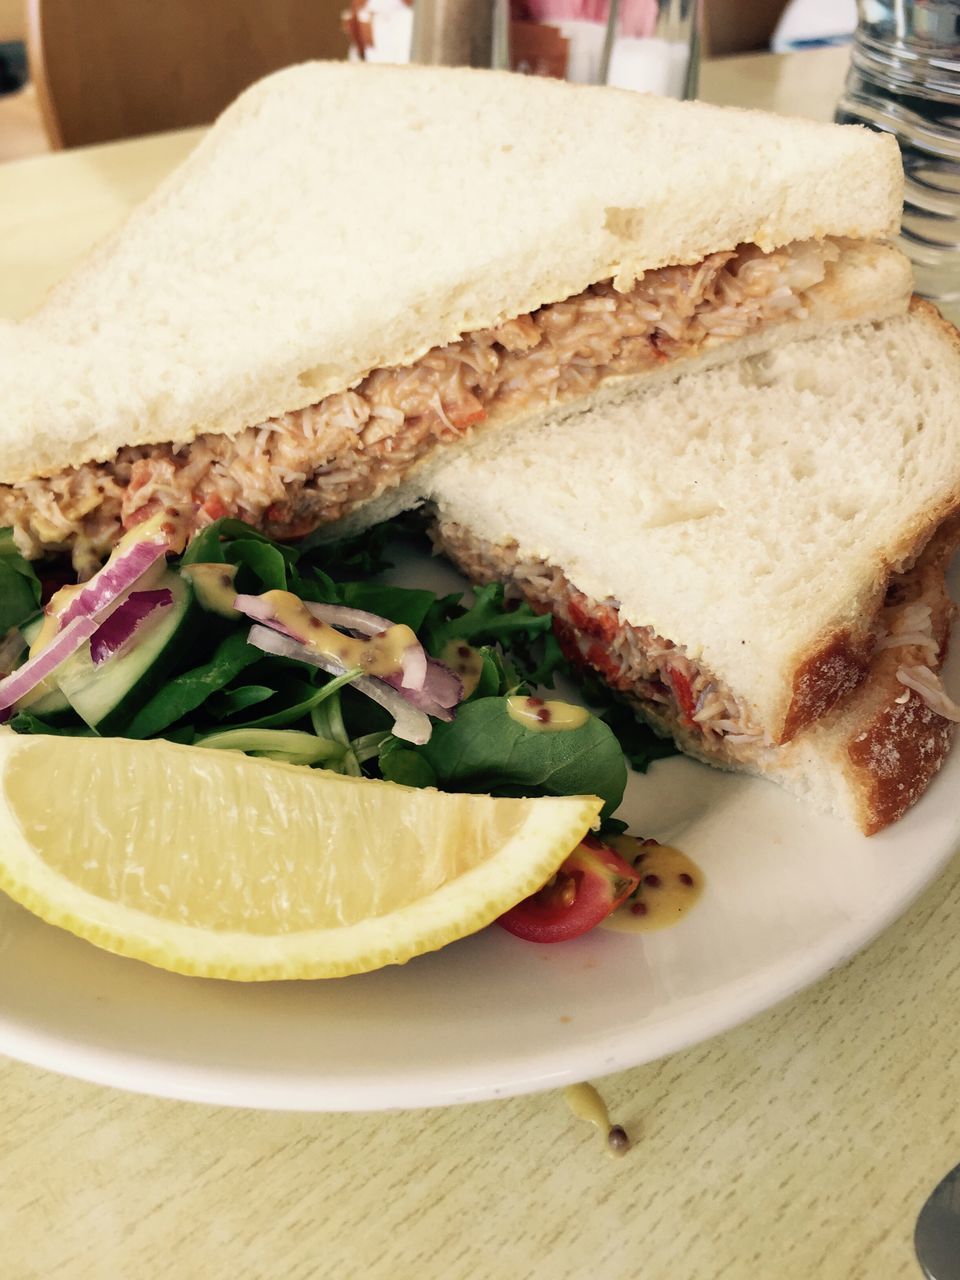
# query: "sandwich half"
[[361, 264], [753, 556]]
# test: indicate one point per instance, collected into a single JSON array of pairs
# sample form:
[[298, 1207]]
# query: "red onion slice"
[[120, 627], [35, 670], [339, 615], [414, 660], [258, 609], [410, 724], [442, 691], [414, 668], [114, 579]]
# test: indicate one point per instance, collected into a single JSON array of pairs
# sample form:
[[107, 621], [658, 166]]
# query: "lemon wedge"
[[211, 863]]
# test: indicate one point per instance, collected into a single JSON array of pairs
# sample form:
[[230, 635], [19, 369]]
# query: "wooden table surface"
[[797, 1147]]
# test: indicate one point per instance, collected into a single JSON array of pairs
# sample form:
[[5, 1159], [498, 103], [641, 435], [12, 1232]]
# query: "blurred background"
[[74, 72]]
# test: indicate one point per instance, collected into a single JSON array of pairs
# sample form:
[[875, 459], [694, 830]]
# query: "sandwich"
[[752, 556], [361, 265]]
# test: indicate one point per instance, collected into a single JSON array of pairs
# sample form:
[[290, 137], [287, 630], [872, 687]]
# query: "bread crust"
[[828, 675], [884, 742], [895, 745]]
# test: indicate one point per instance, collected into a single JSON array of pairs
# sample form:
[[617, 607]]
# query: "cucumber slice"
[[106, 696], [53, 703]]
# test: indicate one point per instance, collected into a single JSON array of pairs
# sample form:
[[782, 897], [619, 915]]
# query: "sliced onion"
[[275, 642], [113, 580], [414, 662], [414, 667], [409, 723], [38, 668], [442, 684], [442, 690], [120, 627], [339, 615]]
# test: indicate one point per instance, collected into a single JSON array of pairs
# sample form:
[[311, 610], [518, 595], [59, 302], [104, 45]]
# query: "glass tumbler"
[[652, 45], [904, 79]]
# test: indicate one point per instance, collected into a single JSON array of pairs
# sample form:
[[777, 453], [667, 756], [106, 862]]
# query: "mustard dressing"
[[546, 717], [670, 885], [464, 661], [380, 655], [586, 1104]]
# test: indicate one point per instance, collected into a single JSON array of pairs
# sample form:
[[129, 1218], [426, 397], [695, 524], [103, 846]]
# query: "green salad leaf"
[[225, 693], [484, 749], [187, 692], [19, 585]]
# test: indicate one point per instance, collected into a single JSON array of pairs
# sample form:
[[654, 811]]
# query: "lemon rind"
[[460, 907]]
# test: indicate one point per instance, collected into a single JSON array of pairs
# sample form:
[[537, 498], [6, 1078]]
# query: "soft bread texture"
[[339, 218], [867, 760], [871, 281], [752, 514]]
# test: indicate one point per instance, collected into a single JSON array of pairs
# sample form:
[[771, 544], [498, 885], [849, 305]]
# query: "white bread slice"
[[872, 757], [867, 761], [871, 281], [752, 514], [341, 218]]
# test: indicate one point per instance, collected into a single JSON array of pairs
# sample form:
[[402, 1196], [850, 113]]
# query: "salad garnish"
[[305, 654]]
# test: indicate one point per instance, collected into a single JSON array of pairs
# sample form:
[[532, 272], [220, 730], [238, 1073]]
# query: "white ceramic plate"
[[789, 895]]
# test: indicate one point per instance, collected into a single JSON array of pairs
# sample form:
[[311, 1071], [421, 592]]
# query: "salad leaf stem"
[[290, 745], [327, 721]]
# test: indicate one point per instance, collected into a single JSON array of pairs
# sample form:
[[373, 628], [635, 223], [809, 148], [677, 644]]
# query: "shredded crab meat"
[[635, 661], [311, 467], [911, 626], [930, 688]]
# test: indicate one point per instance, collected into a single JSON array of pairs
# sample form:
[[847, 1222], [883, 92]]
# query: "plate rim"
[[745, 998]]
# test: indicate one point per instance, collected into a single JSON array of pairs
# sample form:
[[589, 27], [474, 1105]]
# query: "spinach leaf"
[[266, 561], [206, 547], [485, 749], [401, 763], [399, 604], [638, 742], [232, 701], [187, 692], [299, 700], [358, 556], [19, 585]]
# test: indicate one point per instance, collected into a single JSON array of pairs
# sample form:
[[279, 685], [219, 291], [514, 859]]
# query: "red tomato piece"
[[591, 883], [683, 693]]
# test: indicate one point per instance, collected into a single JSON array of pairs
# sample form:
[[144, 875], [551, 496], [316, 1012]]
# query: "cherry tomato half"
[[591, 883]]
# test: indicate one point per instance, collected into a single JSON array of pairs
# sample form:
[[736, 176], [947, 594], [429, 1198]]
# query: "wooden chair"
[[108, 69], [739, 26]]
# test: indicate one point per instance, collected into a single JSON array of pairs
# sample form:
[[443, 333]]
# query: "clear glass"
[[904, 78], [650, 45]]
